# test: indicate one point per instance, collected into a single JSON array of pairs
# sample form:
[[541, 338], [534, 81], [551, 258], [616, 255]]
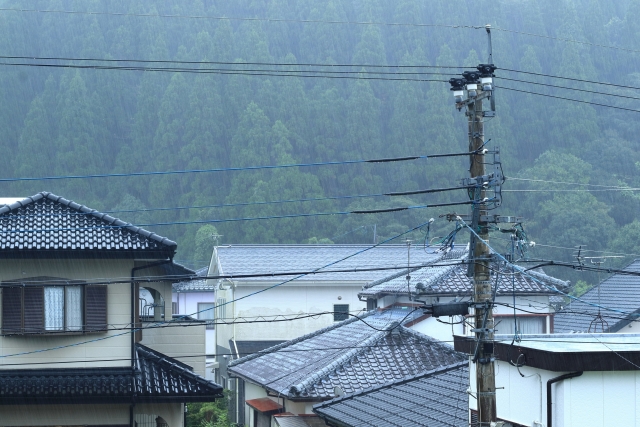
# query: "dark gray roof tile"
[[46, 222]]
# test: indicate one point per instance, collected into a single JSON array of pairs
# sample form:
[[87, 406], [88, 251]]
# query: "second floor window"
[[206, 311], [35, 309]]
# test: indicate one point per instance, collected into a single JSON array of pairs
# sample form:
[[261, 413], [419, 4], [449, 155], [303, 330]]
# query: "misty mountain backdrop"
[[270, 82]]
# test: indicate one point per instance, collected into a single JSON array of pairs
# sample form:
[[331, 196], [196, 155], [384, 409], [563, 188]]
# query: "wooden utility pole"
[[485, 369]]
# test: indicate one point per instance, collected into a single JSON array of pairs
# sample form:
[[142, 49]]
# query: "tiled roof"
[[436, 399], [302, 420], [352, 355], [158, 378], [246, 348], [620, 297], [449, 277], [196, 285], [46, 223], [251, 259]]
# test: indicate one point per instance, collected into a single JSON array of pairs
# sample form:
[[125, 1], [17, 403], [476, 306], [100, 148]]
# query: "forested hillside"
[[76, 117]]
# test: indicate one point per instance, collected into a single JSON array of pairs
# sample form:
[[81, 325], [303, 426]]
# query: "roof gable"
[[46, 224]]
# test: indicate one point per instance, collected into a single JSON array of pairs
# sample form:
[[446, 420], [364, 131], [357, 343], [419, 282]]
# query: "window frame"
[[23, 308], [210, 310]]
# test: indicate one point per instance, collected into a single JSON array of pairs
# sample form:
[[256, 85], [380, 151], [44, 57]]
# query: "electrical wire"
[[234, 169], [272, 73], [570, 88], [570, 78], [24, 353], [566, 183], [569, 99], [227, 220]]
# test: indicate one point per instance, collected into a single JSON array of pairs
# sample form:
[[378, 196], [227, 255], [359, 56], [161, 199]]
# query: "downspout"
[[134, 301], [549, 403]]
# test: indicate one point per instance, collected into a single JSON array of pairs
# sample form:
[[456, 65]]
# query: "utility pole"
[[479, 86]]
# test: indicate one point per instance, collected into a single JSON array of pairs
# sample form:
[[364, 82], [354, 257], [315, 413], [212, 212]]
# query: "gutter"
[[549, 403]]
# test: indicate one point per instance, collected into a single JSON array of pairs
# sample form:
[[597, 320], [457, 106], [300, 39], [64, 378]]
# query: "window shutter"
[[12, 310], [95, 308], [33, 309]]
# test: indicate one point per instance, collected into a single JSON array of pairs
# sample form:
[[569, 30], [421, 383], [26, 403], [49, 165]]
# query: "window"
[[206, 311], [222, 308], [340, 312], [174, 308], [526, 324], [36, 309]]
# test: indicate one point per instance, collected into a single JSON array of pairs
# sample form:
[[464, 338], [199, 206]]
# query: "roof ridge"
[[363, 346], [404, 271], [392, 383], [299, 339], [85, 209]]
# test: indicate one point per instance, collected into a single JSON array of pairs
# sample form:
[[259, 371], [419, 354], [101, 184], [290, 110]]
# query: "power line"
[[226, 302], [236, 73], [227, 205], [570, 78], [566, 183], [222, 18], [236, 169], [268, 64], [259, 218], [569, 99], [570, 88], [565, 39]]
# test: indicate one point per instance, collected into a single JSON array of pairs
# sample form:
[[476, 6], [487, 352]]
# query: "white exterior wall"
[[118, 313], [288, 300], [176, 341], [595, 399], [252, 391]]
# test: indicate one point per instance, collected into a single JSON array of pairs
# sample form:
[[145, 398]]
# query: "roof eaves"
[[434, 372], [299, 339]]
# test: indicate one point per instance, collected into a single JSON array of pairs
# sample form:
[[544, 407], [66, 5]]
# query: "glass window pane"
[[73, 308], [53, 308], [206, 310]]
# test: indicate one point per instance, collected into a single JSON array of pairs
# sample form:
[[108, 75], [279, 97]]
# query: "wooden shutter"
[[11, 310], [33, 309], [95, 308]]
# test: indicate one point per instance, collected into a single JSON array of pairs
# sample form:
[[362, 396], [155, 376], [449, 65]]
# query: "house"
[[446, 280], [196, 299], [612, 306], [344, 358], [74, 347], [434, 398], [565, 380], [266, 287]]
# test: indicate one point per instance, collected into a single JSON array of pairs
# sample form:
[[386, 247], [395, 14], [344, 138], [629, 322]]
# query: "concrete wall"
[[118, 313], [595, 399]]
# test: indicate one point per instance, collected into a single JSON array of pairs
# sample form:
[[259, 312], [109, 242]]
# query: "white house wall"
[[117, 347], [595, 399], [291, 300], [180, 340], [64, 415]]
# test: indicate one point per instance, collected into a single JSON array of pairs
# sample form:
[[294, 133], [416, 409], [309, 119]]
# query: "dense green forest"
[[67, 117]]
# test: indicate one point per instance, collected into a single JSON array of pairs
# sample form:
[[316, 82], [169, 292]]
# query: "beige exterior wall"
[[118, 312], [176, 341], [63, 415], [173, 413]]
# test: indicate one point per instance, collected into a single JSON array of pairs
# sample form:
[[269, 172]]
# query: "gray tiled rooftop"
[[619, 298], [251, 259], [449, 277], [196, 285], [437, 398], [46, 222], [352, 355]]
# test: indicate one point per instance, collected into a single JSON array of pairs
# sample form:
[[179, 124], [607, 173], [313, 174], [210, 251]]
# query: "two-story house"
[[72, 347], [267, 284]]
